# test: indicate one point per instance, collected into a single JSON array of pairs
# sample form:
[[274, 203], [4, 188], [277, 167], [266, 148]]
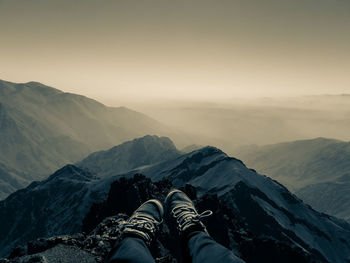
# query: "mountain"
[[10, 181], [93, 246], [317, 170], [33, 211], [42, 129], [130, 155], [69, 193], [329, 197], [300, 163], [191, 148], [63, 204], [280, 213]]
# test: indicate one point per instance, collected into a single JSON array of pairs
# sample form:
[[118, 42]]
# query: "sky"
[[115, 50]]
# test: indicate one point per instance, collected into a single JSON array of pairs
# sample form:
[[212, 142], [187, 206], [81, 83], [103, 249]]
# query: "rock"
[[105, 220]]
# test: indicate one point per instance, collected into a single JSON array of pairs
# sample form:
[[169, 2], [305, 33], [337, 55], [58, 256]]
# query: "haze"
[[119, 51]]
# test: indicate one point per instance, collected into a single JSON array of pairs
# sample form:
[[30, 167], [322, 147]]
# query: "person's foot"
[[145, 221], [181, 209]]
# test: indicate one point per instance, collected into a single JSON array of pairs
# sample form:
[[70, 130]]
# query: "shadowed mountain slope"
[[42, 129], [10, 181], [300, 163], [100, 233], [267, 209], [317, 170], [330, 197]]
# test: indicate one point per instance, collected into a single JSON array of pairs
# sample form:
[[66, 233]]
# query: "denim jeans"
[[201, 249]]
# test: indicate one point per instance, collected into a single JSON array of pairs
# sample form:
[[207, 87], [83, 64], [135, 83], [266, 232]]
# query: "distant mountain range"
[[42, 129], [317, 170], [59, 204], [237, 122]]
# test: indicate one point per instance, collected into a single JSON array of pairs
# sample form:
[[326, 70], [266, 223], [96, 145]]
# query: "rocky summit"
[[105, 219], [254, 215]]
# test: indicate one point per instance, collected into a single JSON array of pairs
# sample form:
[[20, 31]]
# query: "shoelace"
[[142, 221], [185, 214]]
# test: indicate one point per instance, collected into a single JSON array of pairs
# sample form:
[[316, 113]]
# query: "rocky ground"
[[102, 229]]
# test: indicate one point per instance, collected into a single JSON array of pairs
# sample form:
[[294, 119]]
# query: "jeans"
[[201, 249]]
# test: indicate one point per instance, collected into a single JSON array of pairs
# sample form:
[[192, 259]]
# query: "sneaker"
[[145, 221], [180, 208]]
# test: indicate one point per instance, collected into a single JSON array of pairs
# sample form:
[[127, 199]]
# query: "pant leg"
[[203, 249], [130, 250]]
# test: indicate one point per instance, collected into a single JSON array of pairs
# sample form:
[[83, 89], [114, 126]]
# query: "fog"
[[233, 123], [184, 62]]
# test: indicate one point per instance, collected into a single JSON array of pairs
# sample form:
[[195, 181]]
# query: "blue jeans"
[[201, 249]]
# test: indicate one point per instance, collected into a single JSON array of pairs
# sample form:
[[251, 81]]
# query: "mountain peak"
[[71, 172], [60, 206], [154, 139], [209, 152], [322, 140], [148, 141], [139, 152], [32, 92]]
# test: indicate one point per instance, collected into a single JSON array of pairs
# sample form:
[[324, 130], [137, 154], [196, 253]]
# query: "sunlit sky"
[[147, 49]]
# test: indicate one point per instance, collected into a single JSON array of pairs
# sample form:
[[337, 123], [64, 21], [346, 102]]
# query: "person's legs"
[[202, 249], [199, 246], [131, 250], [137, 234]]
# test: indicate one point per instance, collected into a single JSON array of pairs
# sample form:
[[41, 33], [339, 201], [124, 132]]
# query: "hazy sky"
[[115, 50]]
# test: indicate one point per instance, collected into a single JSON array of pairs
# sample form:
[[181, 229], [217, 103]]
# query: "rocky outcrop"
[[105, 218], [254, 215]]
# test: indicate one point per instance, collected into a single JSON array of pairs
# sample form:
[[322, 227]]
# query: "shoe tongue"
[[184, 202], [179, 198], [150, 211]]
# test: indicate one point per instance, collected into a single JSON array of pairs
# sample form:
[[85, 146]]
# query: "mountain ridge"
[[43, 128], [290, 160], [282, 216], [130, 155], [317, 170]]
